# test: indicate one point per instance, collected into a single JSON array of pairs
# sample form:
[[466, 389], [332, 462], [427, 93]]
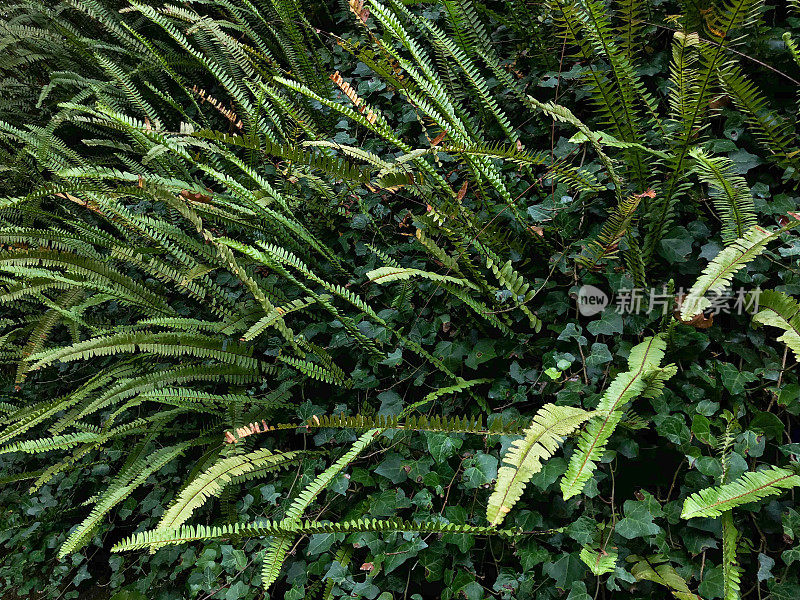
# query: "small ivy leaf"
[[578, 592], [734, 379], [638, 521], [765, 564], [480, 470], [784, 591], [713, 584], [442, 445], [565, 570], [791, 555], [768, 424]]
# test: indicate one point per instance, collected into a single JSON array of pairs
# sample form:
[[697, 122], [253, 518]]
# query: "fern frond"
[[290, 528], [524, 458], [731, 572], [614, 229], [750, 487], [769, 129], [643, 362], [776, 309], [130, 478], [163, 344], [729, 192], [719, 273], [441, 424], [384, 275], [212, 481]]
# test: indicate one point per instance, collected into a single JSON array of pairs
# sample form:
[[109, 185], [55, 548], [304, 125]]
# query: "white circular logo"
[[591, 300]]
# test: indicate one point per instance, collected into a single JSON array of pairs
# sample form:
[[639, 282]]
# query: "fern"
[[776, 309], [211, 482], [731, 573], [384, 275], [643, 363], [288, 528], [750, 487], [720, 271], [524, 457], [729, 192], [614, 229]]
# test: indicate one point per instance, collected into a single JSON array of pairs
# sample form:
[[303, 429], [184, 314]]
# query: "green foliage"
[[750, 487], [524, 458], [644, 377], [287, 299]]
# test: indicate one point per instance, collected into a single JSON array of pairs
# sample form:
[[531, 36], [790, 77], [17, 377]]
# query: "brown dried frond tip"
[[354, 98], [251, 429], [225, 112]]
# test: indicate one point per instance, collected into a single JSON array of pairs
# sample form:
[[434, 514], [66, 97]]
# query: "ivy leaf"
[[638, 521], [713, 584], [482, 352], [442, 445], [734, 379], [785, 591], [392, 468], [609, 323], [566, 569], [791, 555], [765, 564], [578, 592], [403, 553], [791, 524], [768, 424], [481, 469], [238, 590], [320, 542]]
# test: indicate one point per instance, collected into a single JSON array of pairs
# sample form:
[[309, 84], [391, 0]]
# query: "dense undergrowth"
[[296, 299]]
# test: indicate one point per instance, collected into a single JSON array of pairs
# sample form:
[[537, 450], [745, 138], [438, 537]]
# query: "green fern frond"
[[729, 192], [162, 344], [212, 481], [719, 273], [440, 424], [769, 129], [384, 275], [643, 362], [614, 229], [731, 572], [776, 309], [524, 458], [130, 478], [289, 528], [750, 487]]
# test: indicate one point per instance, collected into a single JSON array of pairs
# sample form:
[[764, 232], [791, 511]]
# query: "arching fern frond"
[[644, 361], [524, 457], [750, 487], [776, 309], [614, 229], [441, 424], [384, 275], [719, 273], [212, 481], [729, 192], [289, 528]]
